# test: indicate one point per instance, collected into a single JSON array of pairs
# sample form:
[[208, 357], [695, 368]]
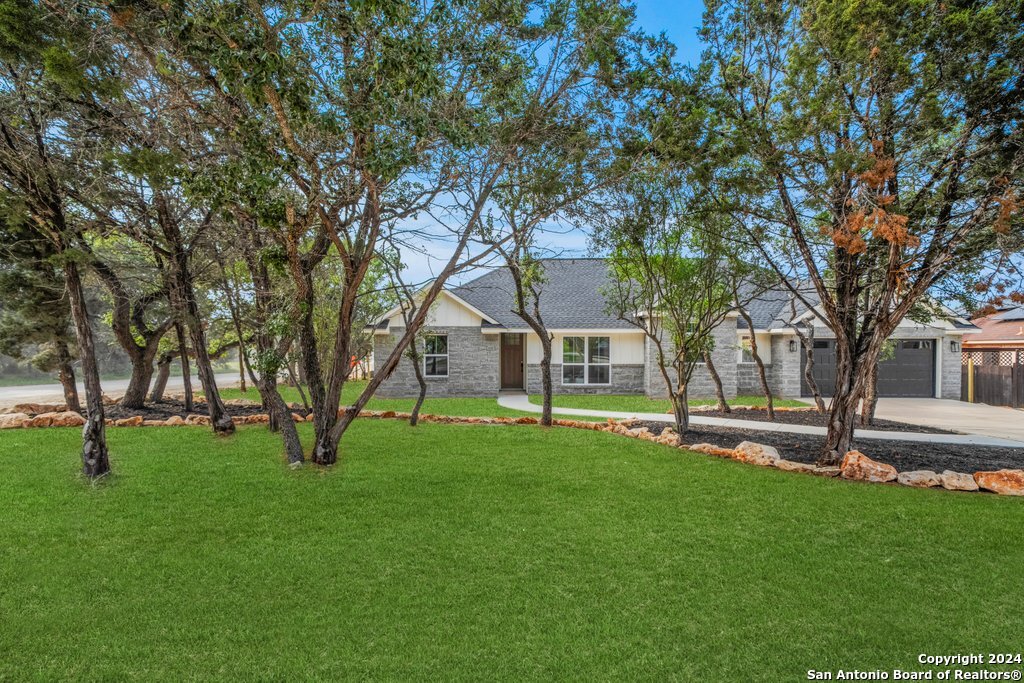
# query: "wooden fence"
[[993, 377]]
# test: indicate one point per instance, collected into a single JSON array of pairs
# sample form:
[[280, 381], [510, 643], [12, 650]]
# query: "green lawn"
[[642, 404], [478, 553], [463, 407]]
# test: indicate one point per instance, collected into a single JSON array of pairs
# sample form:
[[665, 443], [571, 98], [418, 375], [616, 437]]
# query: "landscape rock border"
[[855, 465]]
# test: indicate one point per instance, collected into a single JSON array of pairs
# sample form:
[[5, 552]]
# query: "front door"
[[511, 361]]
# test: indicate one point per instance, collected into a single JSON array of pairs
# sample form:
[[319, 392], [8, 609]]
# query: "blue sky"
[[679, 21]]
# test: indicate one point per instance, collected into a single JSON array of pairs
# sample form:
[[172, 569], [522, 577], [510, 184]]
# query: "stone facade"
[[472, 365], [701, 385], [951, 368], [626, 379]]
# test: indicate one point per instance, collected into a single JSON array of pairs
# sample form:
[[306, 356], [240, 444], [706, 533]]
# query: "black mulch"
[[903, 455], [813, 418], [162, 410]]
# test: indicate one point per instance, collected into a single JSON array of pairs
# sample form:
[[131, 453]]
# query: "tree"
[[35, 320], [45, 63], [869, 153], [670, 269]]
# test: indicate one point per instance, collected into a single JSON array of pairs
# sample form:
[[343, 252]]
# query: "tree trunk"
[[843, 412], [414, 417], [870, 402], [241, 367], [545, 379], [163, 373], [95, 459], [298, 385], [66, 374], [719, 391], [681, 409], [219, 418], [761, 374], [282, 415], [138, 385], [186, 370], [812, 384]]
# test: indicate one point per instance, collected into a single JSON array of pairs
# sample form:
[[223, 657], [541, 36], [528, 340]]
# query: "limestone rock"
[[13, 420], [152, 423], [668, 437], [958, 481], [297, 418], [133, 421], [526, 420], [756, 453], [920, 478], [174, 421], [790, 466], [201, 420], [827, 471], [37, 408], [1003, 482], [860, 467], [711, 449]]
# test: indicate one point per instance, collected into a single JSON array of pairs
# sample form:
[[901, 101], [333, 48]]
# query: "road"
[[51, 393]]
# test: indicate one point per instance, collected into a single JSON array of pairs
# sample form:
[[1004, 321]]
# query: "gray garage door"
[[910, 373]]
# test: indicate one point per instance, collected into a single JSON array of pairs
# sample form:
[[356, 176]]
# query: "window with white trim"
[[435, 355], [746, 353], [586, 360]]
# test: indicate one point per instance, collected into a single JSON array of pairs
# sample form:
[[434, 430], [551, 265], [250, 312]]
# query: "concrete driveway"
[[52, 393], [957, 416]]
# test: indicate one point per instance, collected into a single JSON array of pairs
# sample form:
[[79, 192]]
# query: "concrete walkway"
[[957, 416], [52, 393], [517, 401]]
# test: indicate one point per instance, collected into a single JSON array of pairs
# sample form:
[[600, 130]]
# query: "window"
[[745, 355], [586, 360], [435, 355], [916, 344], [821, 344]]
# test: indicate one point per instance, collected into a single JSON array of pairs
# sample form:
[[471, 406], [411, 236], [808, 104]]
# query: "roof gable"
[[571, 295]]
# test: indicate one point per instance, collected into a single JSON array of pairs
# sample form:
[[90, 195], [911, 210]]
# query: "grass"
[[467, 553], [462, 407], [642, 404]]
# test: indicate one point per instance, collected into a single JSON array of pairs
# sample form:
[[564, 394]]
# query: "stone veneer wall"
[[951, 368], [472, 365], [626, 379], [701, 385]]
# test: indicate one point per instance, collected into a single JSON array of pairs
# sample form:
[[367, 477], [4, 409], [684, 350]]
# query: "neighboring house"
[[1000, 331], [993, 360], [474, 345]]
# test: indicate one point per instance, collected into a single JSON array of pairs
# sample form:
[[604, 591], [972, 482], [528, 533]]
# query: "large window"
[[435, 355], [586, 360]]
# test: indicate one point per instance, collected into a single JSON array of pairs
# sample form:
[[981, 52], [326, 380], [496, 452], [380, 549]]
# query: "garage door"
[[909, 373]]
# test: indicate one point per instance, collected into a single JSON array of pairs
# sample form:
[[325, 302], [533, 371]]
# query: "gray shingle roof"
[[571, 296]]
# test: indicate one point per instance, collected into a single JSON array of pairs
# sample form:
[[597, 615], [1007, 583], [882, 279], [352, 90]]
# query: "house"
[[999, 331], [474, 345], [993, 360]]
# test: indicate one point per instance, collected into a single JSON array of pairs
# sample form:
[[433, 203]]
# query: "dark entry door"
[[512, 361], [909, 372]]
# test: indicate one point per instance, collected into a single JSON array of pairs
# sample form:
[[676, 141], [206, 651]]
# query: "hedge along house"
[[474, 345]]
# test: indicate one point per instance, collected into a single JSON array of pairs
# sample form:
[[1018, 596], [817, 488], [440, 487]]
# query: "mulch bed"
[[811, 418], [162, 410], [903, 455]]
